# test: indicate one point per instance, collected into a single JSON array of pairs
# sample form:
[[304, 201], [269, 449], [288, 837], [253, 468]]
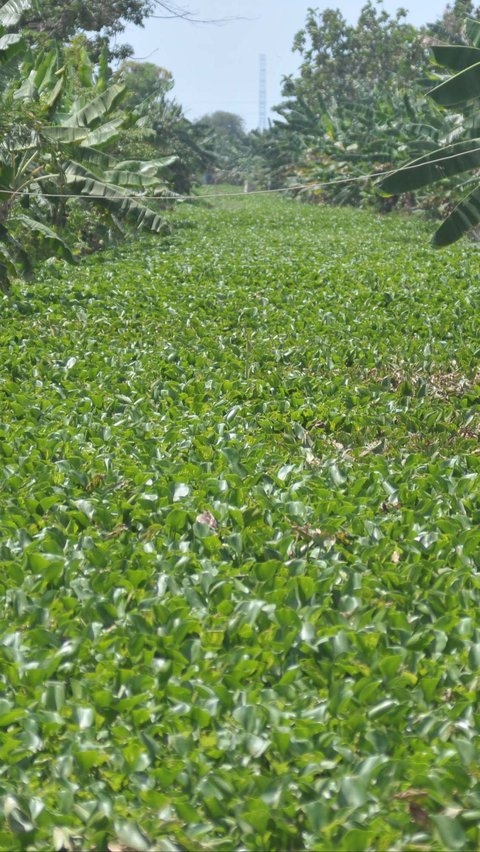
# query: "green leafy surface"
[[239, 540]]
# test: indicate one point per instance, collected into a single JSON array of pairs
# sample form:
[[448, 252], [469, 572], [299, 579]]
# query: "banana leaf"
[[462, 157], [455, 57], [472, 31], [10, 45], [61, 135], [12, 11], [8, 268], [148, 167], [114, 198], [104, 133], [97, 108], [459, 89], [57, 247], [132, 180], [465, 216]]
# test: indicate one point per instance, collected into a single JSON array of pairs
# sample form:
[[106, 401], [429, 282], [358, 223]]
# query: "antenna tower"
[[262, 93]]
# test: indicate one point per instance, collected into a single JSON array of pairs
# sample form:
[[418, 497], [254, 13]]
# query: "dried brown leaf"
[[208, 519], [118, 530], [307, 531], [411, 793], [95, 481], [418, 815]]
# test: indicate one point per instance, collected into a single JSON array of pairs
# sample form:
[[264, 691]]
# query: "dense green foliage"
[[356, 91], [161, 125], [450, 27], [240, 540], [62, 141], [358, 107], [233, 156], [460, 92], [239, 513], [77, 126]]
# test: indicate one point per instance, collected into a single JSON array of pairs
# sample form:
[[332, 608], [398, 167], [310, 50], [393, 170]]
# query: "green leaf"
[[181, 490], [104, 133], [297, 510], [52, 241], [64, 135], [256, 746], [318, 816], [463, 218], [457, 158], [12, 11], [257, 814], [382, 708], [10, 45], [83, 181], [455, 57], [148, 168], [353, 793], [84, 717], [98, 107], [176, 519], [472, 31], [459, 89], [90, 758], [129, 834], [450, 832]]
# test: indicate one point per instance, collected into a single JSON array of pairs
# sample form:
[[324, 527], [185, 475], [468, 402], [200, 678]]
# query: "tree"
[[161, 126], [61, 20], [63, 116], [462, 154], [145, 81], [225, 137], [337, 57], [227, 124], [344, 107], [449, 29]]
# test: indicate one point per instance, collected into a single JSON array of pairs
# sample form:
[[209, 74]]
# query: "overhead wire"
[[242, 194]]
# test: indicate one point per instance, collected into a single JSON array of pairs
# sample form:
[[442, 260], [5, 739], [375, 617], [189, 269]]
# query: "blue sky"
[[216, 66]]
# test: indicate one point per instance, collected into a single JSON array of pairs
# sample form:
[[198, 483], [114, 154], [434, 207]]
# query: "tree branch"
[[174, 11]]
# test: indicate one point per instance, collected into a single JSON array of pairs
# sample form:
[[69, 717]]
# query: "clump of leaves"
[[460, 151]]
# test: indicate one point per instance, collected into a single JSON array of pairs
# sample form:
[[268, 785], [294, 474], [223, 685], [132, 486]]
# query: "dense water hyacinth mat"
[[240, 540]]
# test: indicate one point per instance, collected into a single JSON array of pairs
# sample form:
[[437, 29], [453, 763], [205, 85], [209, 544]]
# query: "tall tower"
[[262, 93]]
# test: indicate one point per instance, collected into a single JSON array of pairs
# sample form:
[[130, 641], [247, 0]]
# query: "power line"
[[240, 193]]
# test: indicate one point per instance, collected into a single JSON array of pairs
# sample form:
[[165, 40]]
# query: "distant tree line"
[[82, 120]]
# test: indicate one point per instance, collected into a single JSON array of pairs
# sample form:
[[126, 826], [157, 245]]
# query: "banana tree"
[[54, 149], [80, 125], [460, 152], [19, 145], [345, 140]]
